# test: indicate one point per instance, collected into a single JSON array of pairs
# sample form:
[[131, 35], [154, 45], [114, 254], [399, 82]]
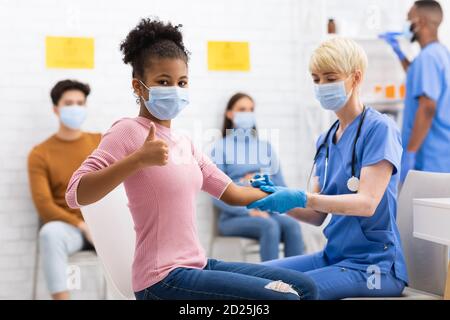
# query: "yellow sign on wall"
[[69, 52], [228, 56]]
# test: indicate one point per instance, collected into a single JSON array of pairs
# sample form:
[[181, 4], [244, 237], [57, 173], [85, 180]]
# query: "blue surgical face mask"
[[73, 116], [332, 96], [244, 120], [407, 31], [165, 103]]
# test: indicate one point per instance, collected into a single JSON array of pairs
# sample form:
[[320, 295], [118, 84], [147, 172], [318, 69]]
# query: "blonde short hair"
[[339, 55]]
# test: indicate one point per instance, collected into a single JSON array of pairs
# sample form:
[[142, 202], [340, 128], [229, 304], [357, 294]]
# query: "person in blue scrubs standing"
[[426, 120], [356, 181], [241, 154]]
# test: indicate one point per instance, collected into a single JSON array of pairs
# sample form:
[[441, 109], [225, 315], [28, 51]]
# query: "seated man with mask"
[[50, 166]]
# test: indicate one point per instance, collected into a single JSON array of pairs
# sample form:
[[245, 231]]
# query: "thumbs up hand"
[[154, 152]]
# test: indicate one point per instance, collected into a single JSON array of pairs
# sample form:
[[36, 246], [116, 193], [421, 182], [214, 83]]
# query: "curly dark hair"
[[66, 85], [152, 39]]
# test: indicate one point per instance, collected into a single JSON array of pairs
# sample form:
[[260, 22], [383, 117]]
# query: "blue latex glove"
[[260, 181], [391, 39], [281, 200], [408, 163]]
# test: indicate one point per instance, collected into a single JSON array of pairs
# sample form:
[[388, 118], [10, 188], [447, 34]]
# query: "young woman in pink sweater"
[[163, 173]]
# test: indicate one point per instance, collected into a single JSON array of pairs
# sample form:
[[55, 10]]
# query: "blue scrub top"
[[429, 75], [359, 242]]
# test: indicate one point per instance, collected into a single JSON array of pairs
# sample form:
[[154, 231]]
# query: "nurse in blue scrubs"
[[357, 167], [426, 120]]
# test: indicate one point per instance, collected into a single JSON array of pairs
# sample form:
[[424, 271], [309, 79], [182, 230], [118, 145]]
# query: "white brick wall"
[[282, 33]]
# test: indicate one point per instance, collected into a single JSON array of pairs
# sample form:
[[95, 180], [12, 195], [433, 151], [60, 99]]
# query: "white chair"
[[426, 261], [112, 229], [244, 247], [89, 258]]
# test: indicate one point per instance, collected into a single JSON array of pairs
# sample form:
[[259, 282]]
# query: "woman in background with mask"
[[163, 172], [357, 173], [241, 155]]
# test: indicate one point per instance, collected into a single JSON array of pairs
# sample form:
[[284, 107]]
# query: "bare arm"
[[405, 64], [422, 123], [94, 186], [309, 216], [236, 195], [373, 183]]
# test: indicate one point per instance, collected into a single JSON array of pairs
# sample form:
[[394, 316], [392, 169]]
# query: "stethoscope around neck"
[[353, 181]]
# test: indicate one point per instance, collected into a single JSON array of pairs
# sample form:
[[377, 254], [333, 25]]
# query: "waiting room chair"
[[426, 261], [89, 258], [112, 229], [244, 247]]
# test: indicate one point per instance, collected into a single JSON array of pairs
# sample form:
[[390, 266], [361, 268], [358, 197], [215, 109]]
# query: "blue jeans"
[[231, 281], [269, 232], [334, 282]]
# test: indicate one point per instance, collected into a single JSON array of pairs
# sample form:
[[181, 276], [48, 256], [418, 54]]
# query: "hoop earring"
[[138, 98]]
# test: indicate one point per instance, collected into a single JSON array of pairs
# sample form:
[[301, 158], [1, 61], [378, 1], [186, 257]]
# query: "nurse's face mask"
[[165, 103], [410, 32], [413, 26], [333, 96]]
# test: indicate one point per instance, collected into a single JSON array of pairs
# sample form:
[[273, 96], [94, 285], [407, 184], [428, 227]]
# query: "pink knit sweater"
[[162, 200]]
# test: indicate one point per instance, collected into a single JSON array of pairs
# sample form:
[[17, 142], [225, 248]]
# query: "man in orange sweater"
[[50, 167]]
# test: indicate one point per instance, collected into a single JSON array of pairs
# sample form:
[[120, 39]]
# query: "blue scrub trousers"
[[335, 282]]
